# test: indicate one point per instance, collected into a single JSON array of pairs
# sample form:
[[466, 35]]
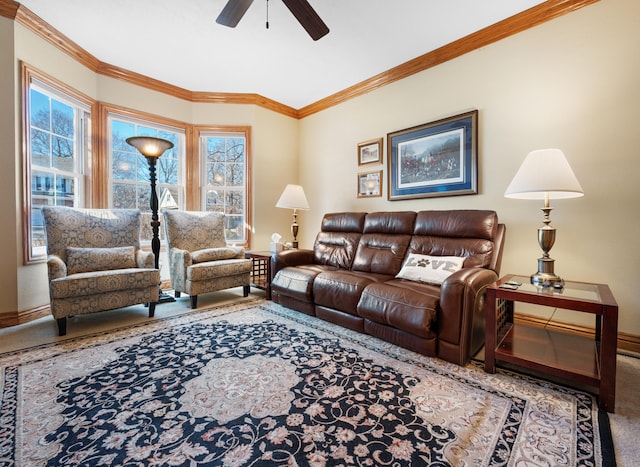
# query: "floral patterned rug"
[[257, 384]]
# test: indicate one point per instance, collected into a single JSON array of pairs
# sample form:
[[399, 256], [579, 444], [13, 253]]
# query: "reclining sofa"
[[415, 279]]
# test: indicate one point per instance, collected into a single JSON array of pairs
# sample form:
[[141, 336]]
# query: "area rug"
[[257, 384]]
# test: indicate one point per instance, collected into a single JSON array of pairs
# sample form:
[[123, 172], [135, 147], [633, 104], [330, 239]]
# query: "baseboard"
[[21, 317], [629, 342]]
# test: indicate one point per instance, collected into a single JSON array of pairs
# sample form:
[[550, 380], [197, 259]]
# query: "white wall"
[[572, 83]]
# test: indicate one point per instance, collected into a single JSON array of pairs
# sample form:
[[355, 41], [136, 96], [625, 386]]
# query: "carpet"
[[258, 384]]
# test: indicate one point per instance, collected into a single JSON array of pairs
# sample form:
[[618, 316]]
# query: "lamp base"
[[545, 277], [164, 297]]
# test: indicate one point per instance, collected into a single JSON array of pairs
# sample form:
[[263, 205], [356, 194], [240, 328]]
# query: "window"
[[225, 180], [57, 134], [130, 185]]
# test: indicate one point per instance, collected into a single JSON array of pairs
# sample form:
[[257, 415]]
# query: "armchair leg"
[[245, 290], [152, 309], [62, 326], [194, 301]]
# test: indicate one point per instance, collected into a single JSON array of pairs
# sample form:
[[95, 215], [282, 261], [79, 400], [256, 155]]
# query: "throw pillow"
[[429, 269], [214, 254], [100, 259]]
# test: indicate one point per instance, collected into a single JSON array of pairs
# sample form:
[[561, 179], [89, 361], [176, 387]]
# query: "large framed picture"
[[370, 184], [435, 159], [370, 152]]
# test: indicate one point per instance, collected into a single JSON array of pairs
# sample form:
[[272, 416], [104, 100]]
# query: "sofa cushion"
[[297, 282], [104, 282], [100, 259], [221, 268], [335, 248], [412, 309], [215, 254], [341, 289], [429, 269]]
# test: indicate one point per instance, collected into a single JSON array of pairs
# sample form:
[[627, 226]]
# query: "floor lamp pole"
[[155, 226]]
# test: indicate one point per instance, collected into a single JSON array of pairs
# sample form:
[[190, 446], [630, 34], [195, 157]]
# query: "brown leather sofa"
[[349, 278]]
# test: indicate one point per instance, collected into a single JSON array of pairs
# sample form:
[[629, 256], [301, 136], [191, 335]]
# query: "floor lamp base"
[[164, 297]]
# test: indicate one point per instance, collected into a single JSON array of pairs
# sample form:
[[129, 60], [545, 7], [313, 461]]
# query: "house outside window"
[[130, 185], [57, 134], [225, 180]]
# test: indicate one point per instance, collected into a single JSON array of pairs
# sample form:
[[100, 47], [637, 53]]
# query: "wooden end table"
[[575, 358], [260, 270]]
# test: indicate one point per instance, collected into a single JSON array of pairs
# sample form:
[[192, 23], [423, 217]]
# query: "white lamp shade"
[[293, 198], [545, 173], [149, 146]]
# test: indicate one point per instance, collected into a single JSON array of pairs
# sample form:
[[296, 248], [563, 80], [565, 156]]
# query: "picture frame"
[[435, 159], [370, 152], [370, 184]]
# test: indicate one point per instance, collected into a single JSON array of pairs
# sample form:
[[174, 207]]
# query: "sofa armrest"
[[145, 259], [461, 322], [56, 268], [286, 258]]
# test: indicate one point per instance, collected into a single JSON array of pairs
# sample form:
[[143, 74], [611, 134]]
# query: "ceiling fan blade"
[[233, 12], [308, 18]]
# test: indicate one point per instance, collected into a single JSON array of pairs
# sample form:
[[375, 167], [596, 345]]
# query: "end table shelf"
[[590, 361]]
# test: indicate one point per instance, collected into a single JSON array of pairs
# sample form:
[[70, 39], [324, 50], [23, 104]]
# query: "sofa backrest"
[[336, 243], [67, 227], [473, 234], [384, 242]]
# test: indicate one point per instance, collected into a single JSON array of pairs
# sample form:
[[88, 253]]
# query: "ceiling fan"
[[234, 10]]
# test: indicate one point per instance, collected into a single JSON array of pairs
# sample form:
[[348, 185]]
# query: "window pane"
[[39, 109], [62, 153], [40, 148], [62, 119]]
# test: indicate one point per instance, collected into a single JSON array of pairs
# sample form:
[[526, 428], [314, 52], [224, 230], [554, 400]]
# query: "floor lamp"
[[152, 148]]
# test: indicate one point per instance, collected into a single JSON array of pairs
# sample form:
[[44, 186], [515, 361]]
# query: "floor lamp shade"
[[545, 174], [293, 197]]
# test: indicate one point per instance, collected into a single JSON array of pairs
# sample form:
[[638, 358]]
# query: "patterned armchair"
[[95, 263], [199, 259]]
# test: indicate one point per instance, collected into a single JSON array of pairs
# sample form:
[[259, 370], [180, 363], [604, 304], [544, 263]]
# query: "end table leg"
[[490, 332], [608, 350]]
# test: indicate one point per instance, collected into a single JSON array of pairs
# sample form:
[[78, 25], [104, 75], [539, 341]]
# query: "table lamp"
[[545, 174], [293, 198]]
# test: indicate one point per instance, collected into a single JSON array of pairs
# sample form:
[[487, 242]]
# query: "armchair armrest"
[[56, 268], [286, 258], [145, 259], [462, 298]]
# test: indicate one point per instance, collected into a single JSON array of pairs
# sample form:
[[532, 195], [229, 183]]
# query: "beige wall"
[[572, 83]]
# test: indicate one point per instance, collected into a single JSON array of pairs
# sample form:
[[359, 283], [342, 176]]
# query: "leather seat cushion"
[[341, 289], [297, 281], [405, 305]]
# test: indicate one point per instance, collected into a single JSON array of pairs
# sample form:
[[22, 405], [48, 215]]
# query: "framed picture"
[[435, 159], [370, 152], [370, 184]]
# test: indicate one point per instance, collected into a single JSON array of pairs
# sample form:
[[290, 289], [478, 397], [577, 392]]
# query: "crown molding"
[[532, 17]]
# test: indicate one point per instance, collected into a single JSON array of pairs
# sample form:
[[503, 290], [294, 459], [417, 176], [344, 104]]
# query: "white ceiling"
[[179, 42]]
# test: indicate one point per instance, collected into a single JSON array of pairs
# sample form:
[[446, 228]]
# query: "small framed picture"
[[369, 184], [370, 152]]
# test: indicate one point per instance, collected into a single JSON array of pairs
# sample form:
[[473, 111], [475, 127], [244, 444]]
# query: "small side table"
[[261, 270], [575, 358]]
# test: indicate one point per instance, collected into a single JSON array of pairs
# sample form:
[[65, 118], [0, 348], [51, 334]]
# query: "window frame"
[[62, 93], [200, 135]]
